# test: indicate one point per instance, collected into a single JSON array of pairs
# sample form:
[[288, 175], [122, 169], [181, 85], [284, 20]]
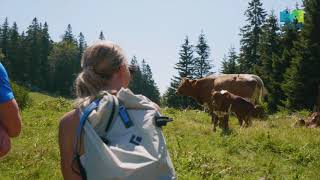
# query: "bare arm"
[[67, 134], [5, 143], [10, 117]]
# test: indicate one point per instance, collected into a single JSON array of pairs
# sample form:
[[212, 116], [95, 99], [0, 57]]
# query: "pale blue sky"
[[149, 29]]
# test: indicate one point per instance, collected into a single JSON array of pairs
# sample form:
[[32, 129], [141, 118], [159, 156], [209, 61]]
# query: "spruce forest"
[[285, 57]]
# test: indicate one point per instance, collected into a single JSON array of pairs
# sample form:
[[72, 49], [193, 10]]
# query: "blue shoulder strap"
[[76, 157], [94, 104], [125, 117]]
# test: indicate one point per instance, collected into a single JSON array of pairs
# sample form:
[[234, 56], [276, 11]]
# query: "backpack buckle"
[[162, 120], [125, 117]]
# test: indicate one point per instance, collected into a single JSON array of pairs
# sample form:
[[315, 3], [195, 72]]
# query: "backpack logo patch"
[[136, 140]]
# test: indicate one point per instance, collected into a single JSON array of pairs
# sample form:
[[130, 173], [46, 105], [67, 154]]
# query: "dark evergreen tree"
[[170, 98], [82, 44], [62, 62], [185, 66], [13, 52], [4, 41], [270, 51], [136, 82], [269, 45], [302, 79], [229, 63], [150, 88], [186, 69], [101, 36], [202, 62], [142, 81], [250, 35], [68, 36], [280, 64], [33, 56], [45, 48]]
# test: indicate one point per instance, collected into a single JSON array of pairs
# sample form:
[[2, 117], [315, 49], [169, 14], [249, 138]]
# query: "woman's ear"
[[124, 75]]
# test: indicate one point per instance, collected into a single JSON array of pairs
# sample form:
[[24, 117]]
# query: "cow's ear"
[[194, 82], [185, 80]]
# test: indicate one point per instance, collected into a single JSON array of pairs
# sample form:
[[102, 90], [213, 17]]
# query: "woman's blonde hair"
[[99, 62]]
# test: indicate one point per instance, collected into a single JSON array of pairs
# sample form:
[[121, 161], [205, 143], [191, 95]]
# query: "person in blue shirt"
[[10, 120]]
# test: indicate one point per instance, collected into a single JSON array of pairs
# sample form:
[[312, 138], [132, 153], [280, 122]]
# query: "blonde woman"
[[104, 67]]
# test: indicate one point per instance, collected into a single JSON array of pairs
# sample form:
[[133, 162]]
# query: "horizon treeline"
[[35, 61], [194, 62], [286, 57]]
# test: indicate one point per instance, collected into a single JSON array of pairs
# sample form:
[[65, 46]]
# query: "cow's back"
[[238, 85]]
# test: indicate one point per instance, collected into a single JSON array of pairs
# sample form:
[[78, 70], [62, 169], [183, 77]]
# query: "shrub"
[[58, 104], [21, 95]]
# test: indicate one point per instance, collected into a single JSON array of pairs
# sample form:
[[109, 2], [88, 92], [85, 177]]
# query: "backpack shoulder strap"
[[76, 157], [112, 116]]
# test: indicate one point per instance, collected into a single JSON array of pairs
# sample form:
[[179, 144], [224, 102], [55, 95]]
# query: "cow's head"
[[315, 118], [219, 97], [185, 88]]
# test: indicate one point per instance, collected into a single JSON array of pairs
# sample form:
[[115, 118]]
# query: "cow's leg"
[[214, 121], [225, 124], [240, 120], [247, 121]]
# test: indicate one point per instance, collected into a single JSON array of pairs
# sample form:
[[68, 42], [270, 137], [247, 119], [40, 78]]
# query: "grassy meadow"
[[270, 149]]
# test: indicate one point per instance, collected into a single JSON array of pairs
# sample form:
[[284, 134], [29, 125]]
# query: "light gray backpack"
[[122, 139]]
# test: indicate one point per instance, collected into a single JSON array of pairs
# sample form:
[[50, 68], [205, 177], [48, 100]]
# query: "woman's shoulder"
[[69, 120]]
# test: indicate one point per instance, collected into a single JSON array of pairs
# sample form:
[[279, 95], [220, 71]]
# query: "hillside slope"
[[270, 149]]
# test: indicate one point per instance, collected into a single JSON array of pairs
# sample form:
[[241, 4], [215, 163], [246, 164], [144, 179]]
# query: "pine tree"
[[22, 76], [13, 52], [229, 63], [45, 48], [62, 60], [250, 37], [142, 81], [185, 68], [136, 82], [269, 46], [68, 36], [150, 88], [270, 50], [302, 79], [281, 60], [33, 56], [82, 44], [101, 36], [202, 62], [4, 40]]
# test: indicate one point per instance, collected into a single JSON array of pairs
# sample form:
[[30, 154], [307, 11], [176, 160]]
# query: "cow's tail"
[[263, 90]]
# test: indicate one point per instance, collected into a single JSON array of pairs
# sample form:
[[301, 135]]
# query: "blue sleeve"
[[6, 93]]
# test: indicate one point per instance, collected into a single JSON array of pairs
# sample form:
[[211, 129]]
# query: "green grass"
[[35, 153], [270, 148]]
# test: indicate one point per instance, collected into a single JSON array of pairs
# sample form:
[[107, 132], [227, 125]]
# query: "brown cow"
[[313, 122], [225, 101], [245, 85], [248, 86]]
